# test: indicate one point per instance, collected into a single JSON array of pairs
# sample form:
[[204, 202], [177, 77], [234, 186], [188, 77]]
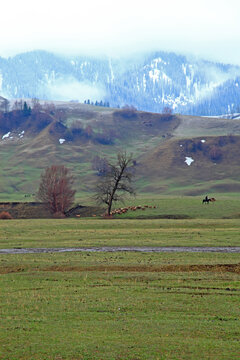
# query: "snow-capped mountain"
[[148, 82]]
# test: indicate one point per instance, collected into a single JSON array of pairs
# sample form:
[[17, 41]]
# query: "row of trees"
[[56, 185], [97, 103]]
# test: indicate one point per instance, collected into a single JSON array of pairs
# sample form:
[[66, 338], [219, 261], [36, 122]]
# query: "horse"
[[207, 200]]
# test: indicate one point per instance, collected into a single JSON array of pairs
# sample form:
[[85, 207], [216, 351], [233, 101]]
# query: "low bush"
[[4, 215], [59, 215]]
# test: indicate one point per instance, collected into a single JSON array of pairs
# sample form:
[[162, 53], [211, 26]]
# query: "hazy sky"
[[209, 28]]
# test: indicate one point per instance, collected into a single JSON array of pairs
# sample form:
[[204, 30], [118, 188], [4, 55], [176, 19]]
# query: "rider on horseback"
[[206, 200]]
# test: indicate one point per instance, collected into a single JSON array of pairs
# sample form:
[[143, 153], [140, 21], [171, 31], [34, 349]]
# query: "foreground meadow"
[[124, 306], [120, 232], [119, 306]]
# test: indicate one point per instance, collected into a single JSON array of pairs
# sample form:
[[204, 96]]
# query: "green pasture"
[[82, 232], [119, 306], [122, 306], [183, 206]]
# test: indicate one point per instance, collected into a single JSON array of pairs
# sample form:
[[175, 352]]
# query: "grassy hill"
[[160, 143], [214, 166]]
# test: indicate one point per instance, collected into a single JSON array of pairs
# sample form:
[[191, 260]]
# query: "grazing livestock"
[[131, 208]]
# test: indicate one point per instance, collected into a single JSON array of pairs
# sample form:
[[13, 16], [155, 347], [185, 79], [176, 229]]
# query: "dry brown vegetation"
[[217, 268], [37, 210], [4, 215]]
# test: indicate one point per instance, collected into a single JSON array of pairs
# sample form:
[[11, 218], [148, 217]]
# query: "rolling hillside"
[[79, 135]]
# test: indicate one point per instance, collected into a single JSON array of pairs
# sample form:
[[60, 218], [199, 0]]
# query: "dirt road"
[[226, 249]]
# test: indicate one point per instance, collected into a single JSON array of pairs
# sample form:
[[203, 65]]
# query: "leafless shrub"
[[4, 215], [215, 153], [100, 165], [55, 189], [167, 113], [127, 112]]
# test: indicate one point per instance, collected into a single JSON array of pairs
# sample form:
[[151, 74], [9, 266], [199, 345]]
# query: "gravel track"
[[230, 249]]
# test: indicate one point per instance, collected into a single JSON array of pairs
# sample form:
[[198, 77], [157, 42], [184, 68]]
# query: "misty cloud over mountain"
[[148, 82]]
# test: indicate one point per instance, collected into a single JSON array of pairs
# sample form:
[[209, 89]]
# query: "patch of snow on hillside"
[[138, 88], [188, 82], [154, 75], [158, 61], [6, 135], [144, 82], [1, 79], [61, 141], [188, 160], [111, 70], [197, 90], [83, 65], [181, 100], [203, 141], [166, 78], [184, 68], [226, 116]]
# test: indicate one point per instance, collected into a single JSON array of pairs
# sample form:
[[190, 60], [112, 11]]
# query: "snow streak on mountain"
[[150, 82]]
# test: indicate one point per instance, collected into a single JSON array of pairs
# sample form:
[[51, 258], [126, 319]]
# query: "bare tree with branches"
[[55, 189], [116, 181]]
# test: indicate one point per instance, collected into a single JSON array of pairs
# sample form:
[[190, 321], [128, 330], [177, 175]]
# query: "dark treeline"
[[97, 103]]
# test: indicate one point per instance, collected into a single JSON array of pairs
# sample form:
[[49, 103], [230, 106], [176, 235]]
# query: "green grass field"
[[119, 306], [122, 232], [185, 206], [125, 306]]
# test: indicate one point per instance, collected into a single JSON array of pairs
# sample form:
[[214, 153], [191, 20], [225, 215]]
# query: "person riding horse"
[[206, 200]]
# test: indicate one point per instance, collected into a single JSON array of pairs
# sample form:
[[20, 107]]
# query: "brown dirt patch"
[[146, 268], [220, 268]]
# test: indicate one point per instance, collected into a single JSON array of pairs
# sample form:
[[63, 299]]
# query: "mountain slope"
[[148, 82]]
